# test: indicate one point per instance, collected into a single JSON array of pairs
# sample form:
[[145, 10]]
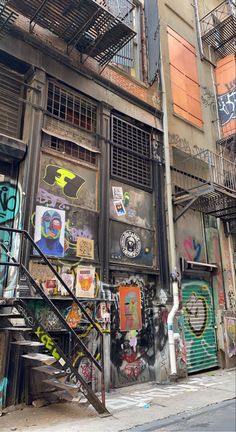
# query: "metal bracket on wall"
[[181, 213]]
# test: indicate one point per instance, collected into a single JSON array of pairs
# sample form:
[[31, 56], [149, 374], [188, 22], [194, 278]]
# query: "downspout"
[[171, 315]]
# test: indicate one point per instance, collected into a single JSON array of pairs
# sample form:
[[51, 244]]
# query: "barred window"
[[72, 108], [131, 153], [71, 149]]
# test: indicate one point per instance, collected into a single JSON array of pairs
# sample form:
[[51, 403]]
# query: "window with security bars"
[[131, 154], [73, 108], [71, 149]]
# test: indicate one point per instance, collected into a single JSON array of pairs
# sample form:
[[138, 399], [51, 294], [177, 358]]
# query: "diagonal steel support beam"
[[36, 16], [185, 209]]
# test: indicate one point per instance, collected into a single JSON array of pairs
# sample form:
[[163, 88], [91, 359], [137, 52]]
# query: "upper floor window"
[[184, 79], [73, 108], [129, 57]]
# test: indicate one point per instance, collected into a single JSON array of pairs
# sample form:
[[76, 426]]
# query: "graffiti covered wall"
[[139, 349], [10, 205], [190, 238], [226, 89]]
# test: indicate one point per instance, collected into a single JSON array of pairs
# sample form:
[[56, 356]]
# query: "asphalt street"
[[219, 417]]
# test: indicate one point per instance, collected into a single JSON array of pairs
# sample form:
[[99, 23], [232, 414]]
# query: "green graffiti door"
[[199, 325]]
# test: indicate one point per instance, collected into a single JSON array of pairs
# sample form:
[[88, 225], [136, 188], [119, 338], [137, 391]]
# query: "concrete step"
[[28, 343]]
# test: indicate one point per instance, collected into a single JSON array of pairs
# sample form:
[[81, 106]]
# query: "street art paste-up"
[[68, 278], [73, 315], [117, 193], [130, 308], [68, 181], [230, 335], [130, 244], [85, 248], [85, 285], [9, 202], [199, 325], [119, 207], [50, 231]]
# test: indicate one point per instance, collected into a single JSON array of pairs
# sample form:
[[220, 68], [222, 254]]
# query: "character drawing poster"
[[130, 308], [50, 231], [85, 286]]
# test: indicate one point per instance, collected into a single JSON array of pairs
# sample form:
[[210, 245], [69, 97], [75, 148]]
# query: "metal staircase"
[[64, 374]]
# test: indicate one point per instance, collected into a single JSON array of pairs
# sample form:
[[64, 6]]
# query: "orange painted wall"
[[226, 90]]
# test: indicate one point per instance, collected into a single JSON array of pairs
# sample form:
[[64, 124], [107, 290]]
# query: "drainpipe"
[[198, 29], [171, 336]]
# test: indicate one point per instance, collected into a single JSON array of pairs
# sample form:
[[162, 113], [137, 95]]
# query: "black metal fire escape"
[[87, 25], [218, 28], [64, 374]]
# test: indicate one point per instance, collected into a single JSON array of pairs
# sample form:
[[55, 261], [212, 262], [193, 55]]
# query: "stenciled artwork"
[[130, 308], [85, 282], [50, 231], [85, 248], [130, 244], [230, 335]]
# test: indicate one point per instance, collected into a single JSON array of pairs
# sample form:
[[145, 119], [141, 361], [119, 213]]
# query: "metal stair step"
[[50, 370], [13, 328], [70, 388], [44, 358], [6, 315], [28, 343]]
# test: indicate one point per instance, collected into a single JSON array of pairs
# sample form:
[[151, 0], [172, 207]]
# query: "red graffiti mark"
[[221, 298]]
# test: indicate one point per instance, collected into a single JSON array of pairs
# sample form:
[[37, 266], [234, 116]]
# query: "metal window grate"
[[131, 153], [71, 149], [72, 108], [11, 90]]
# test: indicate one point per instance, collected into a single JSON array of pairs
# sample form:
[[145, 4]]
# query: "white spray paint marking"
[[140, 398]]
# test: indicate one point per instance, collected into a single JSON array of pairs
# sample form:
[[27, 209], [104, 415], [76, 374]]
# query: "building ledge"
[[12, 149]]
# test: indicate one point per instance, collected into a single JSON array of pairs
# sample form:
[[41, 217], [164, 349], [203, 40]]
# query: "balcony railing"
[[218, 28], [206, 182]]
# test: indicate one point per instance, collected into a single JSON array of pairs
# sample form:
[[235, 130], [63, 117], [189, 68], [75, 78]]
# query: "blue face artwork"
[[51, 226]]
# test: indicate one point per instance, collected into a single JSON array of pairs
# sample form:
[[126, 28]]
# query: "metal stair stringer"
[[62, 360]]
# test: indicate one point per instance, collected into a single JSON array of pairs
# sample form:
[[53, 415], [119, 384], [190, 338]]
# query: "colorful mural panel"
[[130, 308], [199, 328]]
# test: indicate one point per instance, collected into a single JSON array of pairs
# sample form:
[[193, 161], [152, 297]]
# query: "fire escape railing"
[[226, 9]]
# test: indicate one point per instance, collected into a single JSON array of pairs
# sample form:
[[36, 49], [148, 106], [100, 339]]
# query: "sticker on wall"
[[68, 278], [130, 244], [130, 308], [85, 248], [49, 232], [117, 192], [119, 207], [85, 286]]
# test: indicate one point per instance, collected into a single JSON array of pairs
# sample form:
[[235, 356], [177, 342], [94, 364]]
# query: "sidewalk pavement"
[[130, 406]]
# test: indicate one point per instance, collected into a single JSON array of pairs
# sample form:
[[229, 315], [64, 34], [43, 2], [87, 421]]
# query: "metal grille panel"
[[131, 154], [10, 106], [71, 149], [72, 108], [199, 328]]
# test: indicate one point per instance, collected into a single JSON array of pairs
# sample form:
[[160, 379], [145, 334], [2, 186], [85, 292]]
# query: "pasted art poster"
[[49, 232], [130, 308], [85, 248], [85, 282], [230, 334]]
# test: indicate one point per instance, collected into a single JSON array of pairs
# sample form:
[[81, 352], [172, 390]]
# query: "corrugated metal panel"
[[10, 106], [153, 38], [199, 325]]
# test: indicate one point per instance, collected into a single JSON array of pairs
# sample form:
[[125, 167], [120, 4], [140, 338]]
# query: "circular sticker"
[[130, 244]]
